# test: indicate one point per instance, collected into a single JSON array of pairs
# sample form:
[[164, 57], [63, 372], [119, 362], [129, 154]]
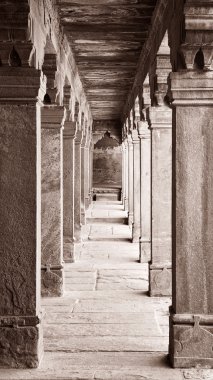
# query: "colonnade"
[[46, 173], [169, 126], [46, 164]]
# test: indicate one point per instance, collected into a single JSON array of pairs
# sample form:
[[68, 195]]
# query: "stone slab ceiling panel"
[[106, 37]]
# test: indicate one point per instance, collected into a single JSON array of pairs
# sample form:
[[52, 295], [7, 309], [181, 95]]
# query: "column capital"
[[19, 85], [129, 140], [135, 137], [84, 140], [160, 117], [79, 136], [192, 88], [143, 130], [70, 128], [52, 116]]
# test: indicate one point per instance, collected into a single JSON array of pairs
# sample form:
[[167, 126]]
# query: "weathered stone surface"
[[161, 247], [21, 347], [192, 250], [51, 200], [68, 190], [136, 187], [106, 343], [77, 190], [52, 282], [103, 329], [145, 192], [160, 281], [20, 133], [98, 318]]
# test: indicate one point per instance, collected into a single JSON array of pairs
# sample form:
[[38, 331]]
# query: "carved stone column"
[[87, 173], [91, 170], [126, 175], [123, 174], [136, 186], [83, 178], [191, 315], [160, 266], [52, 118], [145, 191], [21, 92], [69, 134], [191, 338], [77, 192], [130, 179]]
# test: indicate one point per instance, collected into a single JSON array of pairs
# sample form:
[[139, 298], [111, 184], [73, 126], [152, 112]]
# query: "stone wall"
[[107, 156]]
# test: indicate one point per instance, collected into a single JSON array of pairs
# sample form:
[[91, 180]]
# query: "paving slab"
[[97, 318], [102, 329], [106, 343]]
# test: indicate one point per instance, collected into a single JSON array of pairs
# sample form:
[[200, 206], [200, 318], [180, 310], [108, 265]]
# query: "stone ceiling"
[[106, 38]]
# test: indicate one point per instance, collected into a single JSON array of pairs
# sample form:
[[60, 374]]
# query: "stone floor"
[[106, 327]]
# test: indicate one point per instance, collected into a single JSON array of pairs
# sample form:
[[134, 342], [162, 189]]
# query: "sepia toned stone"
[[51, 200]]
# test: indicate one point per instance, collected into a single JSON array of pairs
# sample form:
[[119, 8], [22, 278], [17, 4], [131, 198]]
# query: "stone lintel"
[[21, 85], [160, 280], [52, 116], [160, 117], [191, 343], [70, 129], [192, 88]]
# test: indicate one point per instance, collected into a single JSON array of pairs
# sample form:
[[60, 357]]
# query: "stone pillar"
[[191, 317], [77, 191], [136, 187], [123, 196], [126, 175], [20, 216], [87, 173], [161, 246], [91, 171], [83, 178], [69, 134], [130, 180], [52, 118], [145, 192]]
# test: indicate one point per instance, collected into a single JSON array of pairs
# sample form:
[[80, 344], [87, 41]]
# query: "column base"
[[135, 234], [130, 218], [83, 217], [144, 251], [52, 281], [160, 279], [21, 342], [191, 341], [77, 234], [87, 202], [68, 250], [126, 203]]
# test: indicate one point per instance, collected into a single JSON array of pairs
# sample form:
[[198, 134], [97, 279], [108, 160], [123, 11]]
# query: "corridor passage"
[[105, 327]]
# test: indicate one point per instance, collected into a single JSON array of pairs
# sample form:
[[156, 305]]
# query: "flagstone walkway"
[[106, 327]]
